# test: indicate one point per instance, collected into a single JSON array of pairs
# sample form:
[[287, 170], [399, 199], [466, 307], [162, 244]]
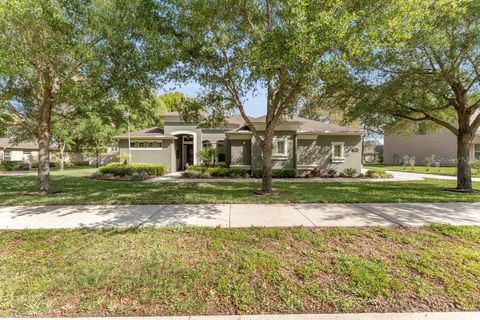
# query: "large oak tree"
[[232, 48], [422, 63], [73, 52]]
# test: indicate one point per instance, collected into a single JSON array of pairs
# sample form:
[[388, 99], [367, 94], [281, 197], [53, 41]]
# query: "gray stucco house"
[[298, 143]]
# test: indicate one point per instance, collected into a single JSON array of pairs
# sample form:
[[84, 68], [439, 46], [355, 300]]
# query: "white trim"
[[342, 150], [143, 149], [194, 134]]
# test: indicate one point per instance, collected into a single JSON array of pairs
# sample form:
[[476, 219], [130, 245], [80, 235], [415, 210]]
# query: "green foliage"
[[349, 172], [475, 165], [220, 171], [377, 174], [14, 165], [207, 155], [120, 169], [277, 173], [429, 160]]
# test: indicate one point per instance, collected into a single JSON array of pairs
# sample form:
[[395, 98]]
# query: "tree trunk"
[[62, 156], [43, 136], [267, 164], [464, 175], [96, 155]]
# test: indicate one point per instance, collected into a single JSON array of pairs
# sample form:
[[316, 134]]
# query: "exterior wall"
[[442, 144], [318, 153], [160, 156], [172, 127], [18, 155], [278, 162], [240, 151], [213, 135]]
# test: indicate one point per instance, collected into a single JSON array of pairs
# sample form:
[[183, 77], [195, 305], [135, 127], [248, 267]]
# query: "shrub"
[[316, 172], [227, 172], [377, 174], [349, 173], [429, 160], [53, 164], [14, 166], [120, 169], [475, 165], [276, 173], [331, 173], [220, 171], [80, 163], [192, 174], [207, 155]]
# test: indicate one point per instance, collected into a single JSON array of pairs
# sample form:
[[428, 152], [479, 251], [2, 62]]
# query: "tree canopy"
[[77, 53], [231, 48], [421, 62]]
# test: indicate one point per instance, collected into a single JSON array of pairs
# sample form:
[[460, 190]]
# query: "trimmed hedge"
[[13, 165], [276, 173], [220, 171], [120, 169]]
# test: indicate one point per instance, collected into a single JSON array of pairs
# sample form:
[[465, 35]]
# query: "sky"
[[255, 106]]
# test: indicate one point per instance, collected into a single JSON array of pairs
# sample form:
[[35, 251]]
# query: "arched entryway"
[[185, 149]]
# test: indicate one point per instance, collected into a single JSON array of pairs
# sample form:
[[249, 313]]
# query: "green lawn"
[[17, 190], [186, 271], [446, 171]]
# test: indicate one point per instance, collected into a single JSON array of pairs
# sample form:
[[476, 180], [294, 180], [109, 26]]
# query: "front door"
[[189, 149]]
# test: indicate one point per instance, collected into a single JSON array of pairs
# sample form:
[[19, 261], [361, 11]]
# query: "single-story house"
[[442, 143], [299, 143], [28, 151]]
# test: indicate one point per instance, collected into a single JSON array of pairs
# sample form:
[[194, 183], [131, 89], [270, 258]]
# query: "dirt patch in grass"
[[184, 271]]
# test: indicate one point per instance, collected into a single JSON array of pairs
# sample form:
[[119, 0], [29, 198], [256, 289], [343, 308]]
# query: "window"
[[338, 151], [220, 152], [281, 147], [477, 152], [146, 144], [27, 153], [7, 155]]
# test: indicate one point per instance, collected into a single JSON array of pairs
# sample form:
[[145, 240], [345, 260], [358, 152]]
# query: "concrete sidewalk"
[[336, 316], [240, 215]]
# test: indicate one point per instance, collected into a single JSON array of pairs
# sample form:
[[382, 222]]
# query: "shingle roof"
[[153, 132], [312, 126], [236, 122], [28, 145]]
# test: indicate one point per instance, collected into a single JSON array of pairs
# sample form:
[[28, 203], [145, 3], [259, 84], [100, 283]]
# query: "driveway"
[[421, 176], [240, 215]]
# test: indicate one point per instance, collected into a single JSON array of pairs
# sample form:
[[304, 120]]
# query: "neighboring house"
[[371, 152], [28, 151], [298, 143], [443, 144]]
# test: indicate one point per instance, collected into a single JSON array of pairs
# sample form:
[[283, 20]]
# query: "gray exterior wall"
[[278, 162], [160, 156], [442, 144], [300, 153], [318, 153], [240, 151], [171, 127]]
